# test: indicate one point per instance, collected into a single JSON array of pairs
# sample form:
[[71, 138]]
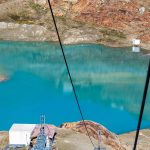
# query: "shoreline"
[[10, 31], [75, 130], [146, 51]]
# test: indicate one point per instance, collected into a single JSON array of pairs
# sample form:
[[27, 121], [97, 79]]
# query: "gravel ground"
[[143, 142]]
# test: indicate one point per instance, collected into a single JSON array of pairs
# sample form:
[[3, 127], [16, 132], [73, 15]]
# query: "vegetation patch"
[[38, 8], [20, 17], [62, 18], [112, 33]]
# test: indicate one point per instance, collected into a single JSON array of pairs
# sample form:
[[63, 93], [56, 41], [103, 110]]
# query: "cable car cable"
[[142, 106], [70, 77]]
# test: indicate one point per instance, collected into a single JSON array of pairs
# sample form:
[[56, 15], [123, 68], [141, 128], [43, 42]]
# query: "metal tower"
[[99, 141], [42, 120], [42, 142]]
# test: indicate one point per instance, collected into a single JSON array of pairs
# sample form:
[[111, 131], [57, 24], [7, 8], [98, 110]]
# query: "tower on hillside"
[[99, 141], [42, 120]]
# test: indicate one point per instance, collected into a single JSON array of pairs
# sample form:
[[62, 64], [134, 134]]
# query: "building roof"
[[49, 130], [22, 127], [136, 41]]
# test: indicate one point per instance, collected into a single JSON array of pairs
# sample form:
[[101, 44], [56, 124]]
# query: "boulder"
[[72, 1], [107, 137], [40, 2]]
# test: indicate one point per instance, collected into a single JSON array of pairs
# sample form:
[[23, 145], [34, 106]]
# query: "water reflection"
[[109, 82]]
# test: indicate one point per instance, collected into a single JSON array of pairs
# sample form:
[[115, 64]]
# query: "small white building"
[[20, 134], [136, 45], [136, 42]]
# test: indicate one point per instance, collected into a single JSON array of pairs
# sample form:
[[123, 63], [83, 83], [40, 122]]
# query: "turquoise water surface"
[[109, 83]]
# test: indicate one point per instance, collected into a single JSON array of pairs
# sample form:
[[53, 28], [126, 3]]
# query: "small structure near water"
[[136, 45], [19, 134], [42, 134], [42, 142], [32, 135]]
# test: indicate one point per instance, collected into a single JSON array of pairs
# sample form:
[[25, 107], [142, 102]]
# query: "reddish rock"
[[122, 15], [145, 37], [107, 137]]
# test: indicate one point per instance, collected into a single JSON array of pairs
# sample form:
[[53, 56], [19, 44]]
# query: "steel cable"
[[142, 107], [68, 70]]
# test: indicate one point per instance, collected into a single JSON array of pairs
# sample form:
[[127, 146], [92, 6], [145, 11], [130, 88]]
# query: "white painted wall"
[[136, 41], [135, 49], [20, 133]]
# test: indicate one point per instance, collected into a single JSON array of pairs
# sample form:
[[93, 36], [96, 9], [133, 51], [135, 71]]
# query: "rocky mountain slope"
[[111, 22], [73, 136], [118, 20]]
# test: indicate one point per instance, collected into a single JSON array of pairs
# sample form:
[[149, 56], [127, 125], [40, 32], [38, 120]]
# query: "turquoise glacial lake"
[[109, 83]]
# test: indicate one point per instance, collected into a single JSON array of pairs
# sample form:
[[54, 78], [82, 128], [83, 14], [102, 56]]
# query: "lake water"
[[109, 83]]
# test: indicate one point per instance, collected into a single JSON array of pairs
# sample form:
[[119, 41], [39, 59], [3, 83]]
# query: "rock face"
[[107, 137], [116, 15], [67, 139], [81, 36], [3, 139], [40, 2], [24, 32], [109, 22]]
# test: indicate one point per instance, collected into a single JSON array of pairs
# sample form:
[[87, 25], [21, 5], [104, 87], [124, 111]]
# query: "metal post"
[[42, 120], [99, 141]]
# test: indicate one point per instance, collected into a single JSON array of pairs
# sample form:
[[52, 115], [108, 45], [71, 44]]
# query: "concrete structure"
[[136, 45], [136, 42], [20, 134], [142, 10], [42, 142], [49, 130]]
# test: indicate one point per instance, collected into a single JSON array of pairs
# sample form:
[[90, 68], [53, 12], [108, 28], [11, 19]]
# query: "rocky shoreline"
[[68, 135], [78, 22], [3, 78], [26, 32]]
